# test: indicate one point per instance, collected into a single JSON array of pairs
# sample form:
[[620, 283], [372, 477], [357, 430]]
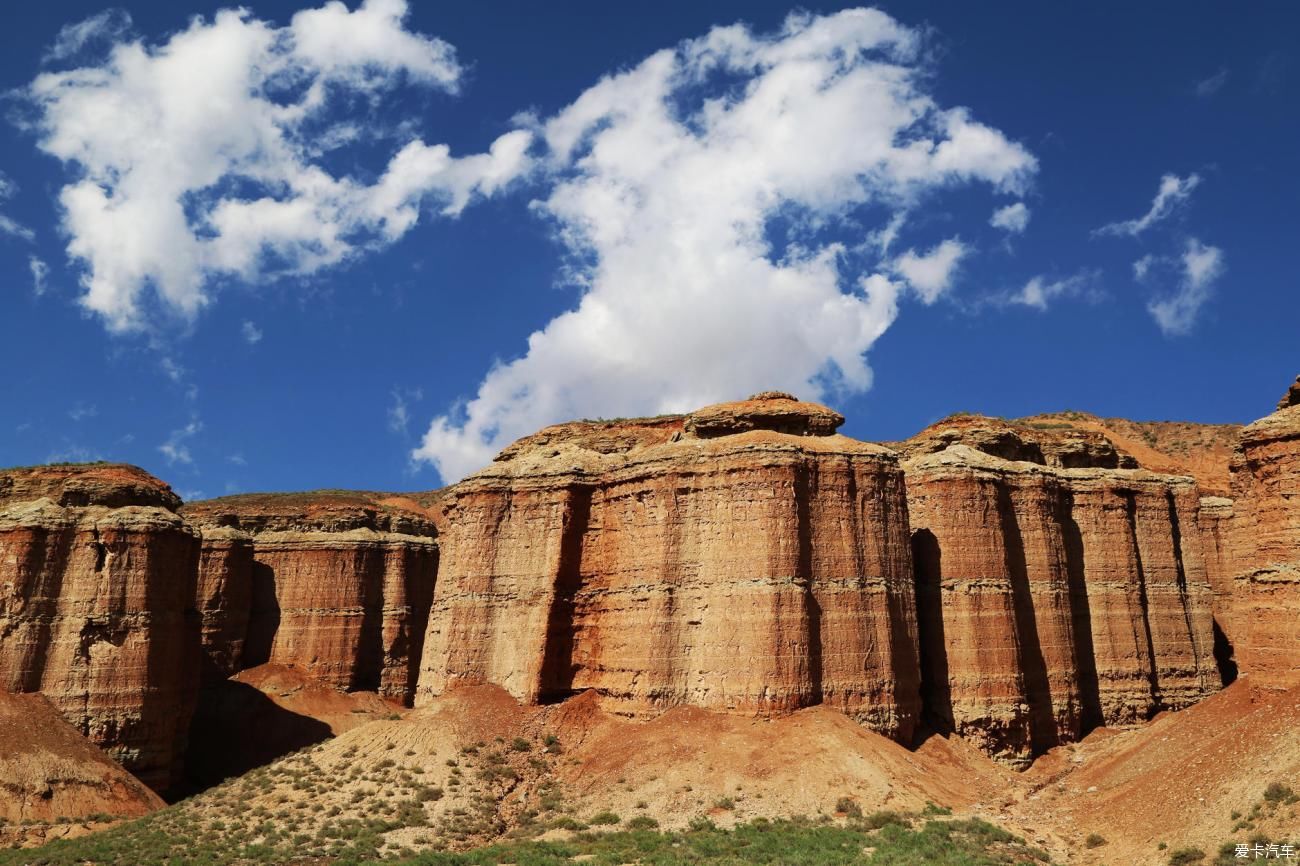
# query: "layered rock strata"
[[1266, 592], [338, 584], [1052, 600], [97, 578], [743, 558]]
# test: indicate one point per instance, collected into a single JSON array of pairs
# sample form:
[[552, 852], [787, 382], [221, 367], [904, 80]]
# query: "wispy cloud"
[[8, 225], [1207, 87], [1173, 193], [82, 411], [1040, 292], [107, 26], [399, 413], [40, 275], [251, 333], [176, 449], [1200, 266]]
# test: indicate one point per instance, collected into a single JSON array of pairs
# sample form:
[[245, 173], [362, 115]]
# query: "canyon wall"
[[1054, 596], [1020, 583], [97, 575], [1265, 620], [742, 558], [336, 584]]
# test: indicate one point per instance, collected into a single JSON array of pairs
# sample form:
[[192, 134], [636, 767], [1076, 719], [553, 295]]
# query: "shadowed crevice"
[[1085, 655], [1038, 690], [263, 617], [555, 682], [936, 689], [1223, 656]]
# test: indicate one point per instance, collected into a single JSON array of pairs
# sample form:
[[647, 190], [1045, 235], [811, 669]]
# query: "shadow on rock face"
[[236, 728]]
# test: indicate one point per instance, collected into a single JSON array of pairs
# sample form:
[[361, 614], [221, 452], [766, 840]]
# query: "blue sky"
[[259, 268]]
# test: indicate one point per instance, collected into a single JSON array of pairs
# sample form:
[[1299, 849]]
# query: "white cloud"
[[175, 449], [251, 333], [8, 225], [196, 158], [1201, 266], [40, 274], [665, 180], [107, 26], [930, 274], [1040, 291], [1013, 218], [1174, 192], [1212, 85]]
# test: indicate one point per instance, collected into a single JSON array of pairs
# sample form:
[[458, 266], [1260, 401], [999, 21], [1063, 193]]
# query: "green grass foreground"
[[883, 839]]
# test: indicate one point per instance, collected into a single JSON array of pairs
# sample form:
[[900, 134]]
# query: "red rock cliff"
[[1265, 623], [96, 577], [742, 558], [338, 584], [1053, 595]]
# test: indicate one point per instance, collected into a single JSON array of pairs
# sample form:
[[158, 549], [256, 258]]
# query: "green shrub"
[[1184, 856], [846, 806], [1094, 840], [641, 822], [519, 744], [604, 818]]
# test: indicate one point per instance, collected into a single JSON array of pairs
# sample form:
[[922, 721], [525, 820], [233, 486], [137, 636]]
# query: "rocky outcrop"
[[742, 558], [1291, 397], [338, 584], [49, 772], [96, 589], [1053, 596], [1265, 628], [1045, 443]]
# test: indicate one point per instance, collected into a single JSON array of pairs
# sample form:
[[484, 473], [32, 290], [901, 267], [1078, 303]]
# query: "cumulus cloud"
[[251, 333], [665, 181], [1013, 218], [1207, 87], [1200, 266], [1173, 193], [930, 274], [176, 449], [199, 158], [107, 26]]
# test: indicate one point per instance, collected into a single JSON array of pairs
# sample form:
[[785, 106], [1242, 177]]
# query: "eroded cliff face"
[[97, 578], [1053, 596], [338, 584], [742, 558], [1265, 620]]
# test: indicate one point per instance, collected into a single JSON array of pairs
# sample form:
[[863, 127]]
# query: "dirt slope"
[[49, 773]]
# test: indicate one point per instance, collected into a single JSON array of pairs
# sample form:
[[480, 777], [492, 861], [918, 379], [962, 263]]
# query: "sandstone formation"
[[1053, 595], [743, 558], [338, 584], [1291, 397], [1265, 625], [49, 772], [1202, 451], [96, 578]]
